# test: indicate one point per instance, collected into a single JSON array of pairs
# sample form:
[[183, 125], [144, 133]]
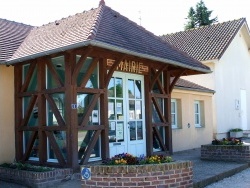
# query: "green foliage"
[[28, 167], [230, 141], [199, 17], [236, 130]]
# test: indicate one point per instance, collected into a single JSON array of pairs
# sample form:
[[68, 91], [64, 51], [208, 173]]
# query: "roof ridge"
[[205, 26], [95, 26]]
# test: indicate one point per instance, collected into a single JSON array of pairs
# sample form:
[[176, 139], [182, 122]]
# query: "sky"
[[158, 16]]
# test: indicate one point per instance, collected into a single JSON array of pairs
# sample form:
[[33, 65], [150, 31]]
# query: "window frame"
[[175, 113], [198, 103]]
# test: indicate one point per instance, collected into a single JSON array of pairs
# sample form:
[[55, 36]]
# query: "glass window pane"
[[59, 64], [119, 109], [93, 79], [118, 87], [84, 138], [138, 94], [131, 89], [60, 137], [132, 130], [33, 81], [132, 109], [112, 131], [138, 109], [139, 130], [111, 109], [111, 88], [35, 150], [83, 102], [33, 119], [59, 99]]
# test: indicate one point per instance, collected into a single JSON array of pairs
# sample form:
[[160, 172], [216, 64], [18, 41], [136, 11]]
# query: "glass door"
[[126, 114]]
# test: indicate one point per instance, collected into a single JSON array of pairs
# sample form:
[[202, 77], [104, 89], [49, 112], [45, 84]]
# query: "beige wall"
[[7, 120], [186, 137]]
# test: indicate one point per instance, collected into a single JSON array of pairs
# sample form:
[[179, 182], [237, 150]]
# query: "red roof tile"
[[206, 43], [105, 28], [12, 35], [187, 85]]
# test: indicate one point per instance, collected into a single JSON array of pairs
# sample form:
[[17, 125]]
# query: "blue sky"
[[158, 16]]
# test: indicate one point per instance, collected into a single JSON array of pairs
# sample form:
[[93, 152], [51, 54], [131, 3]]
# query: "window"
[[198, 113], [176, 113]]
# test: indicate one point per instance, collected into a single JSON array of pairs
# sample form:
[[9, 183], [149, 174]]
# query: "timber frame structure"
[[38, 80]]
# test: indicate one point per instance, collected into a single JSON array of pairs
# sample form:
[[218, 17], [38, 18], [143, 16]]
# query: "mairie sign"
[[129, 66]]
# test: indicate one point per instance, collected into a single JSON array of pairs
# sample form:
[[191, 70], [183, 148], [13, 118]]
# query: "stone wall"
[[226, 153], [176, 174], [34, 179]]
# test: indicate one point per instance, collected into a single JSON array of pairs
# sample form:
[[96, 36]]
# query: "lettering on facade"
[[129, 66]]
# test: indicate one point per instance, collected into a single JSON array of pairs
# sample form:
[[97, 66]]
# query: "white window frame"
[[197, 114], [175, 113]]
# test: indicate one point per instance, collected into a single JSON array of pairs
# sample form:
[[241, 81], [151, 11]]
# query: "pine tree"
[[199, 17]]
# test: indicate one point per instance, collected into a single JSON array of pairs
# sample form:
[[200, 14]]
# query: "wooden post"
[[18, 112], [104, 108], [168, 129], [71, 114], [41, 85]]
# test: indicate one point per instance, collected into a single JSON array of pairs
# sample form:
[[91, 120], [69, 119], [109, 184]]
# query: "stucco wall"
[[231, 74], [189, 137], [7, 121]]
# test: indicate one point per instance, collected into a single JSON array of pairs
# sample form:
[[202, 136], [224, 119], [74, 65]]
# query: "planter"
[[226, 153], [34, 179], [175, 174], [238, 134]]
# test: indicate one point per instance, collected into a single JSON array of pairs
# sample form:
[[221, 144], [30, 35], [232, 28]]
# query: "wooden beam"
[[54, 74], [89, 109], [29, 146], [28, 76], [148, 117], [80, 63], [90, 147], [156, 77], [56, 148], [167, 107], [176, 79], [55, 110], [41, 101], [27, 114], [89, 73], [104, 110]]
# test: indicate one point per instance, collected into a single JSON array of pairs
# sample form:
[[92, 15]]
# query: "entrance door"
[[126, 114]]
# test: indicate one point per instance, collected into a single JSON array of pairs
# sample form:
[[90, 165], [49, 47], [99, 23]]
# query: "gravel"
[[239, 180]]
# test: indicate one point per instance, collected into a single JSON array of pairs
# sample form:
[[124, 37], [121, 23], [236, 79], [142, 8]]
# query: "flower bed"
[[121, 174], [32, 178]]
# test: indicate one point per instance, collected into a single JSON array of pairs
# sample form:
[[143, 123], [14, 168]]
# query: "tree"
[[199, 17]]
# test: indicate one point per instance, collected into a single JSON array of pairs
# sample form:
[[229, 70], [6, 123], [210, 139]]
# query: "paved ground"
[[205, 173]]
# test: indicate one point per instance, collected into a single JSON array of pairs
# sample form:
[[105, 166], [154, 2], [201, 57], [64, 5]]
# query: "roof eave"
[[195, 89], [109, 47]]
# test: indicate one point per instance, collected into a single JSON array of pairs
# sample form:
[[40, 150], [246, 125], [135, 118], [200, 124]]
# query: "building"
[[224, 47], [12, 35], [94, 85]]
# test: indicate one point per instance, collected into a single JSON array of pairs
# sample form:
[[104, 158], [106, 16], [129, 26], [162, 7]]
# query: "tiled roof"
[[12, 35], [105, 28], [206, 43], [187, 85]]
